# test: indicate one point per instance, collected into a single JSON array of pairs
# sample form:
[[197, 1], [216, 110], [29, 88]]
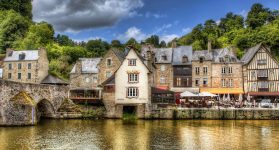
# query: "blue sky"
[[122, 19]]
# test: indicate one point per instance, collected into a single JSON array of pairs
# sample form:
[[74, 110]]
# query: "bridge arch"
[[45, 109]]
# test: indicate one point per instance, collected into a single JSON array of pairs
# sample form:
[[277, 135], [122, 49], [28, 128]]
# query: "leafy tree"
[[39, 35], [258, 16], [231, 22], [74, 53], [24, 7], [133, 42], [116, 44], [154, 40], [12, 27], [64, 40], [97, 48], [163, 44]]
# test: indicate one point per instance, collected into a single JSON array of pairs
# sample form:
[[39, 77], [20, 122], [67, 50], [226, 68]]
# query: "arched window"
[[185, 59]]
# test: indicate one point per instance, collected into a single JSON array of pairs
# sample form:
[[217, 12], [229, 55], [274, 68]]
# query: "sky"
[[83, 20]]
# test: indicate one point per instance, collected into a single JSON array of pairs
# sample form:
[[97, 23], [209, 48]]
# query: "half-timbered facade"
[[261, 73]]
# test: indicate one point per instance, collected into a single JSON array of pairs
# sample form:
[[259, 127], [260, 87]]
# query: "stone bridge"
[[24, 104]]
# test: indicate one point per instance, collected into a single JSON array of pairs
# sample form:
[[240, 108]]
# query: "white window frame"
[[231, 82], [223, 82], [197, 69], [132, 62], [133, 77], [205, 70], [132, 92]]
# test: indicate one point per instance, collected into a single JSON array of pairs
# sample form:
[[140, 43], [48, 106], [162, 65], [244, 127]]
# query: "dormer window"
[[164, 58], [10, 53], [227, 59], [201, 59], [155, 59], [21, 56], [184, 59]]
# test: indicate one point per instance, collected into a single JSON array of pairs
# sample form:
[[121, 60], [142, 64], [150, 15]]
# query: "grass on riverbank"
[[94, 113], [129, 117]]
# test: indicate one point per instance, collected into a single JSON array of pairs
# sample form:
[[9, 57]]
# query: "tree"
[[163, 44], [231, 22], [38, 35], [12, 27], [133, 42], [64, 40], [258, 16], [97, 48], [74, 53], [24, 7], [116, 44], [154, 40]]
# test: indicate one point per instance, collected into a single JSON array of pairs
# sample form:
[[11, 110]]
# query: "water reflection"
[[116, 134]]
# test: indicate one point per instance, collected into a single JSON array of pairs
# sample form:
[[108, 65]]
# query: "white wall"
[[1, 73], [121, 81]]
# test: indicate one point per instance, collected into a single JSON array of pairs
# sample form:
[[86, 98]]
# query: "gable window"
[[201, 59], [109, 62], [132, 92], [29, 65], [261, 62], [197, 70], [19, 76], [184, 59], [132, 62], [223, 81], [205, 70], [19, 66], [10, 66], [164, 58], [29, 76], [133, 78], [9, 75]]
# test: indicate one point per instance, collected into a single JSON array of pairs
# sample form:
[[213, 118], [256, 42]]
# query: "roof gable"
[[250, 53], [180, 52]]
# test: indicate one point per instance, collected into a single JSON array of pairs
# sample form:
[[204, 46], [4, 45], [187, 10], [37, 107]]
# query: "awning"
[[187, 94], [264, 93], [223, 90], [163, 87], [206, 94]]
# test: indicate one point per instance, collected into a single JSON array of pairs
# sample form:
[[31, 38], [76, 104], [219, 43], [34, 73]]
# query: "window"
[[87, 80], [178, 81], [29, 76], [205, 70], [262, 73], [109, 62], [132, 62], [227, 59], [253, 74], [164, 58], [163, 68], [19, 66], [9, 76], [132, 92], [162, 80], [261, 62], [223, 82], [19, 76], [223, 70], [29, 65], [230, 70], [10, 66], [108, 74], [133, 77], [201, 59], [263, 85], [231, 82], [95, 79], [184, 59], [21, 56], [197, 82], [197, 70], [205, 81]]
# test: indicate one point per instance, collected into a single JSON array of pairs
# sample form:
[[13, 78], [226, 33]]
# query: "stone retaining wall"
[[218, 114]]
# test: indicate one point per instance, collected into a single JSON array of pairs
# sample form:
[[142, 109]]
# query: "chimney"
[[149, 57], [9, 52], [209, 45], [174, 44], [78, 66]]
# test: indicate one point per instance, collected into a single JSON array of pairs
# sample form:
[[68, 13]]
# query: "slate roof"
[[29, 55], [88, 65], [250, 54], [119, 54], [181, 51], [109, 81], [50, 79], [160, 52], [202, 53], [215, 55]]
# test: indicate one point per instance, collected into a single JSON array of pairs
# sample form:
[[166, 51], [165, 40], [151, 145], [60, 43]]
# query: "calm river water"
[[163, 134]]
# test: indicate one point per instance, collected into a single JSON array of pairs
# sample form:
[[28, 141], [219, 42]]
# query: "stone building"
[[109, 64], [225, 75], [1, 66], [28, 66], [260, 73], [84, 81]]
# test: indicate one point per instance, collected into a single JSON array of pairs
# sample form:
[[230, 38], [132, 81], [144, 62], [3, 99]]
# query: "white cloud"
[[244, 13], [163, 28], [76, 15], [89, 38], [168, 38], [155, 15], [132, 32], [186, 30]]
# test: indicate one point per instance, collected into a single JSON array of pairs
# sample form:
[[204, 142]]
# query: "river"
[[159, 134]]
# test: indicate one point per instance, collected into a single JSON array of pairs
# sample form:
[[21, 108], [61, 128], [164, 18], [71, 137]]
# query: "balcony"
[[85, 95]]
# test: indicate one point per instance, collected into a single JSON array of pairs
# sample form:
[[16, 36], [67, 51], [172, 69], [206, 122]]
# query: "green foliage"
[[97, 48], [12, 27], [129, 117], [38, 35], [163, 44], [154, 40], [94, 113], [24, 7], [64, 40], [117, 44], [133, 42]]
